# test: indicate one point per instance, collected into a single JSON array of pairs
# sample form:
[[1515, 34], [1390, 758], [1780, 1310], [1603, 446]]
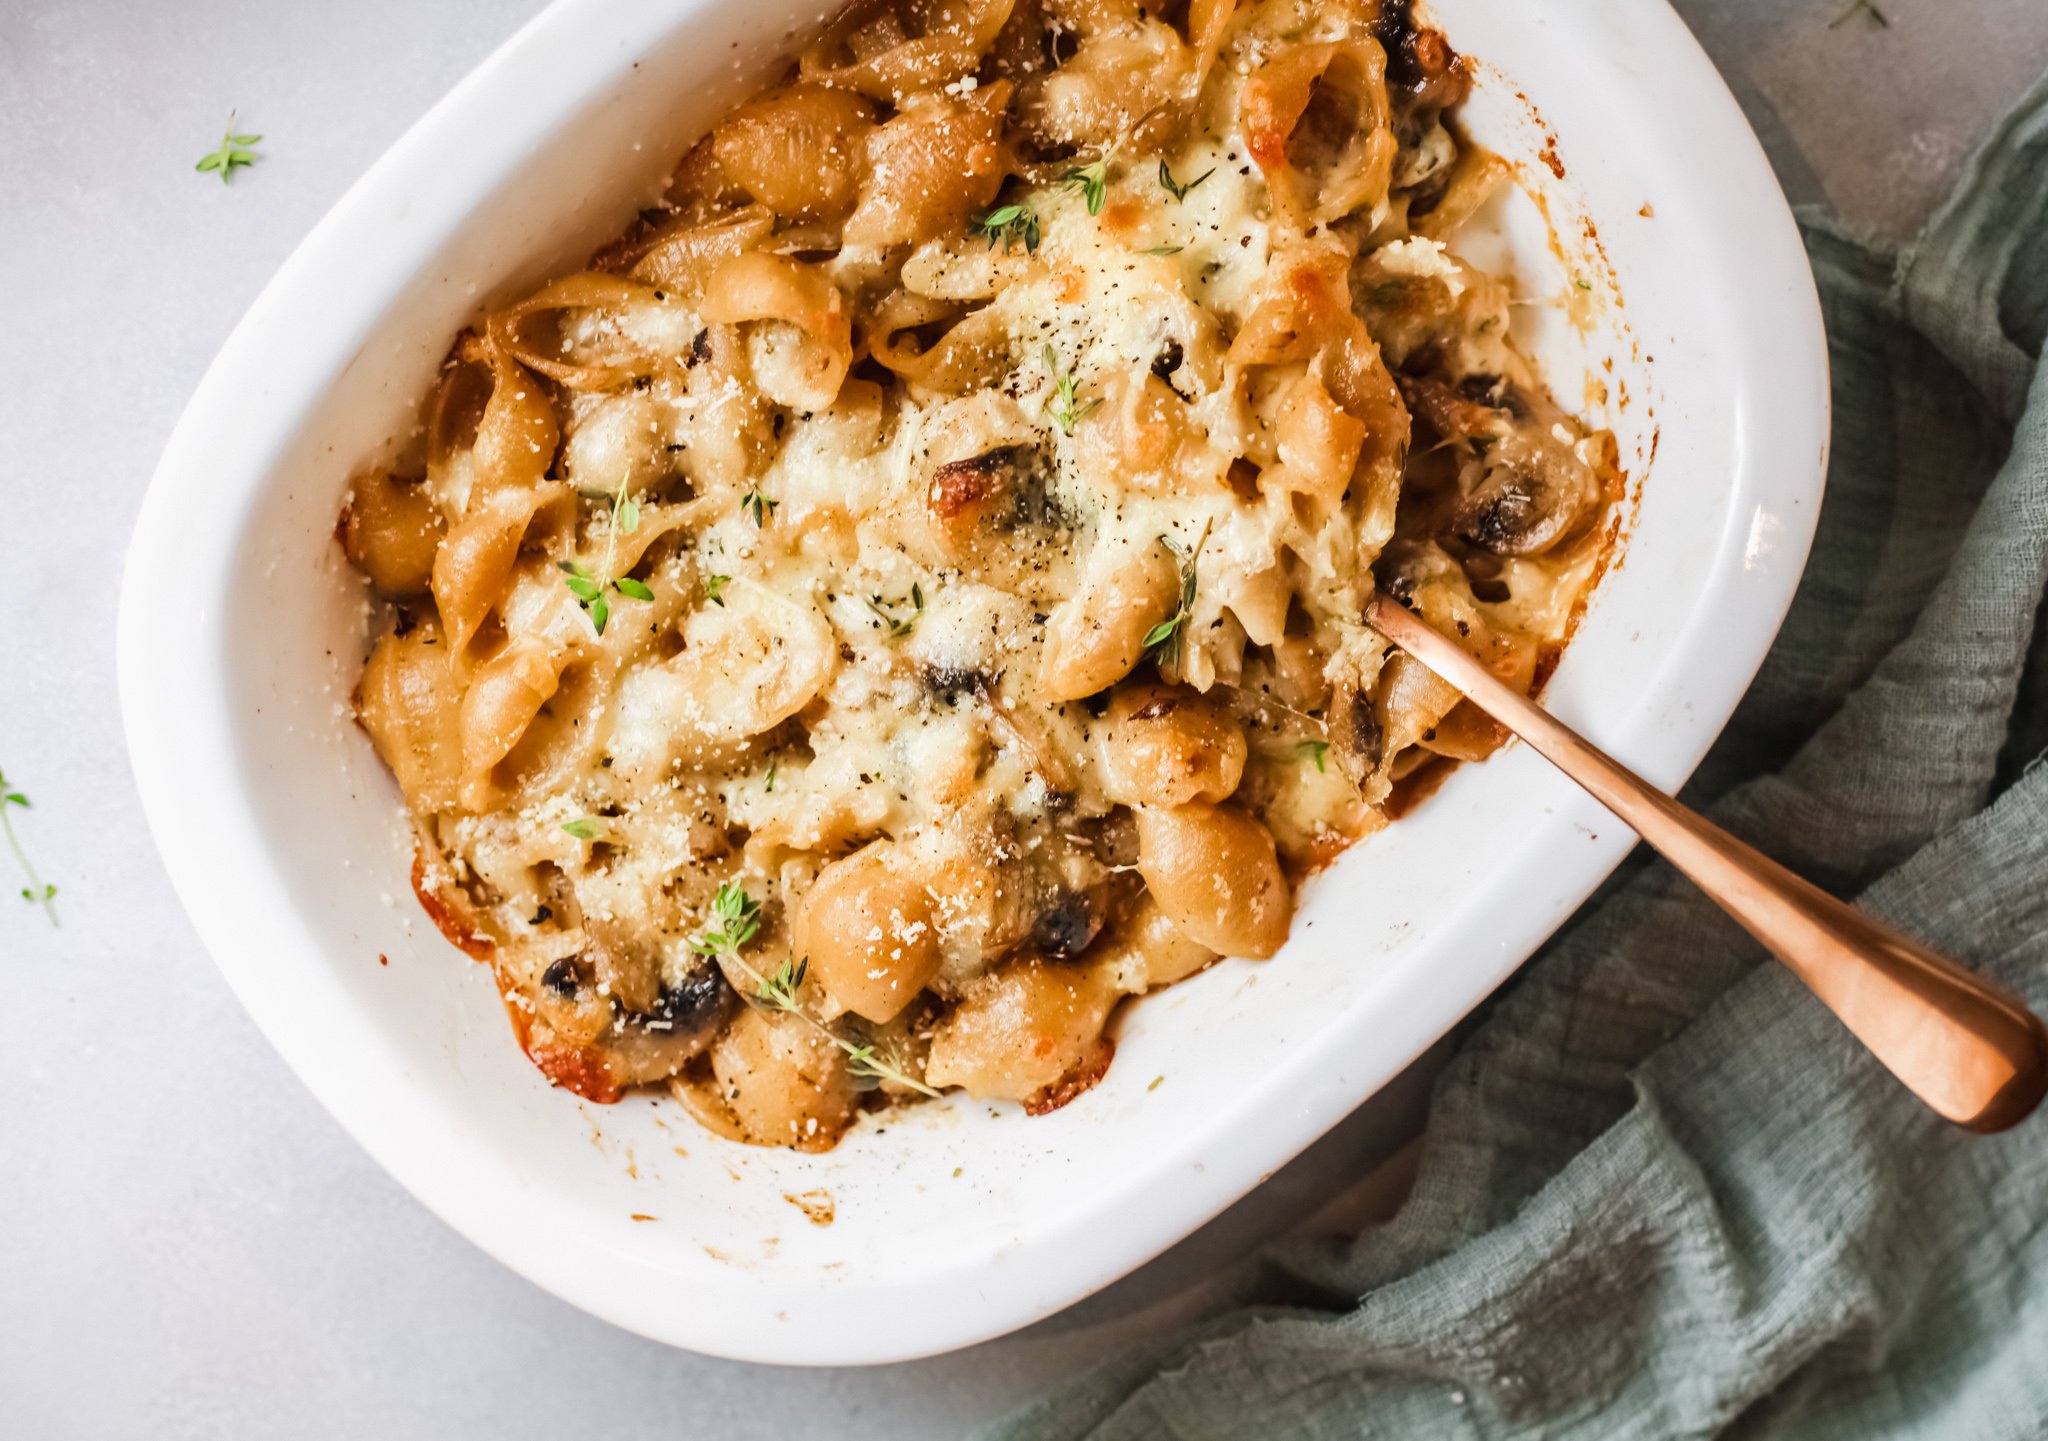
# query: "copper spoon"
[[1966, 1046]]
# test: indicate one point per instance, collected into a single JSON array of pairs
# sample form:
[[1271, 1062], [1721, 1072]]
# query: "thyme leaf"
[[232, 154], [739, 917], [897, 626], [1092, 181], [1007, 224], [589, 588], [1174, 188], [1065, 412], [37, 891], [1165, 641]]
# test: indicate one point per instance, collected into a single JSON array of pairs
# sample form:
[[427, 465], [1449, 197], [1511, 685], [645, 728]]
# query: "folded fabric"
[[1662, 1193]]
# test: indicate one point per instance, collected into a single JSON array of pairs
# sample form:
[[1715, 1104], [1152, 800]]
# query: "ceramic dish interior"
[[1695, 335]]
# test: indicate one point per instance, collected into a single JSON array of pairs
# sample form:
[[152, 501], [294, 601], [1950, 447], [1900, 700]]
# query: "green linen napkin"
[[1662, 1192]]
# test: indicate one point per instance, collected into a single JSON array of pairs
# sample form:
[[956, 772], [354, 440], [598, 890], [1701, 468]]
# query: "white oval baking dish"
[[240, 638]]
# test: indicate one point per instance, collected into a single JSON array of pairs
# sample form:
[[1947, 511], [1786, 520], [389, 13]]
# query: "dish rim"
[[157, 648]]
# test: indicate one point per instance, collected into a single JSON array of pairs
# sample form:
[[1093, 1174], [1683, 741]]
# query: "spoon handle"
[[1966, 1046]]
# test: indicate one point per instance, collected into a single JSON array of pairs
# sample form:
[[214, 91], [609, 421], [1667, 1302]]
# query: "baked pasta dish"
[[904, 595]]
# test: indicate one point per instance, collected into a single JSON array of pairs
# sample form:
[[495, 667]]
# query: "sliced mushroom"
[[1479, 410], [993, 515], [584, 1037], [1355, 732], [1531, 495], [1011, 887], [1531, 477], [1422, 69], [1067, 920], [686, 1016], [965, 499]]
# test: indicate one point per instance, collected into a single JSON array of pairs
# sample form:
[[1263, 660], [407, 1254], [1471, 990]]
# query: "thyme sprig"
[[1007, 224], [1166, 640], [1314, 751], [714, 588], [36, 892], [1065, 412], [1092, 181], [759, 506], [739, 918], [589, 589], [1177, 190], [780, 989], [897, 626], [886, 1064], [231, 155]]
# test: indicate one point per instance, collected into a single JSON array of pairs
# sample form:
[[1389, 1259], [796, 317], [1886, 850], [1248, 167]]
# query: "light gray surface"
[[188, 1245]]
